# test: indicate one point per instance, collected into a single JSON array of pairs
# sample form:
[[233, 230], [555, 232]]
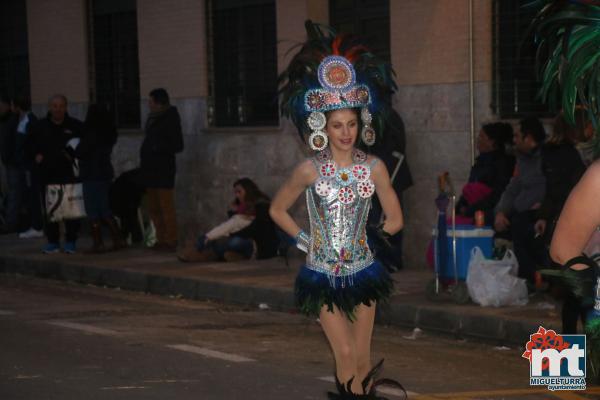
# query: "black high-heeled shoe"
[[345, 391]]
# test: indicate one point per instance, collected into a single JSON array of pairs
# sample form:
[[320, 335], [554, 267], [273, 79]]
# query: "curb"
[[438, 319]]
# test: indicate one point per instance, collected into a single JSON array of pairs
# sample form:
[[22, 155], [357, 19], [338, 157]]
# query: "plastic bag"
[[494, 282]]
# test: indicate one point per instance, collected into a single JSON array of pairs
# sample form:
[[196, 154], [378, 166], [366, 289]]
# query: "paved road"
[[65, 341]]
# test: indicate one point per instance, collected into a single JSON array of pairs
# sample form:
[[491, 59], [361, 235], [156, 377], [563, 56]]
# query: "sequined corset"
[[338, 206]]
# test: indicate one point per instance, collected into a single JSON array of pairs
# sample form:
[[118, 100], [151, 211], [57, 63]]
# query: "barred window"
[[515, 87], [14, 49], [369, 19], [242, 63], [114, 68]]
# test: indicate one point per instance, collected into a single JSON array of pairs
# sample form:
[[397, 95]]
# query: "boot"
[[98, 243], [115, 233]]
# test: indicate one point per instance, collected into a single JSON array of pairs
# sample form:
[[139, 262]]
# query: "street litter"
[[414, 335]]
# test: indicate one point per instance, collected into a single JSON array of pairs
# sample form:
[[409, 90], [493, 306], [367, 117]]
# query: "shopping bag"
[[64, 201], [495, 282]]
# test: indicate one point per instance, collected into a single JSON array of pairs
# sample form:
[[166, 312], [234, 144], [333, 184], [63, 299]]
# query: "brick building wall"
[[429, 49], [58, 57], [430, 54]]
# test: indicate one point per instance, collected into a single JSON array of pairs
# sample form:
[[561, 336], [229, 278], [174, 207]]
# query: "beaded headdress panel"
[[332, 72]]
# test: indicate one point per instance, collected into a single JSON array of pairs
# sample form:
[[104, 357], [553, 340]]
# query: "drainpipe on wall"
[[471, 84]]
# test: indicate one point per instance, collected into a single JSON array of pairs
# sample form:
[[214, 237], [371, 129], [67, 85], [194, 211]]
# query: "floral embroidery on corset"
[[338, 206]]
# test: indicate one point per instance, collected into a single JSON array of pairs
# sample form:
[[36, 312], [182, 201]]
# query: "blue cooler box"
[[467, 237]]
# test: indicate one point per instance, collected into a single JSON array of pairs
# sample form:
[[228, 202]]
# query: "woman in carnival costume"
[[568, 38], [332, 90]]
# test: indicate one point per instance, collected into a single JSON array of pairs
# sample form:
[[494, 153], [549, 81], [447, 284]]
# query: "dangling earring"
[[318, 139], [367, 134]]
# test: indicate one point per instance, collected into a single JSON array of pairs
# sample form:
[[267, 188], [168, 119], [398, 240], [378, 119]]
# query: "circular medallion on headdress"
[[336, 73], [315, 100], [318, 140], [360, 172], [323, 187], [365, 189], [368, 135], [346, 195], [365, 116], [362, 95], [316, 121], [328, 169]]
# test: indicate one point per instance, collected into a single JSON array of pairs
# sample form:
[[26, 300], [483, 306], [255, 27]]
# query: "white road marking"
[[26, 377], [84, 328], [380, 389], [210, 353], [124, 387], [4, 312], [174, 381]]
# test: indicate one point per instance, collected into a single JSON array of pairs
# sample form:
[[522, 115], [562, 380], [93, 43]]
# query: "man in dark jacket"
[[516, 211], [54, 140], [163, 140], [29, 175]]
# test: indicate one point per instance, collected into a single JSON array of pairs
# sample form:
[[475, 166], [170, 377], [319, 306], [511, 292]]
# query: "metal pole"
[[471, 84]]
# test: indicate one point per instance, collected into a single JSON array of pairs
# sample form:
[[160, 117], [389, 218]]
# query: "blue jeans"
[[238, 244]]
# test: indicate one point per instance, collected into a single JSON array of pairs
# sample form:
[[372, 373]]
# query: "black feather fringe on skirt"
[[314, 290]]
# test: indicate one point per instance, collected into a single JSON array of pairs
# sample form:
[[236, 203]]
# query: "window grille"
[[242, 63], [114, 67], [14, 48], [369, 19], [515, 86]]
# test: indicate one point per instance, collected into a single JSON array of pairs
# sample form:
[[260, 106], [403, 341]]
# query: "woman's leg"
[[362, 331], [339, 333]]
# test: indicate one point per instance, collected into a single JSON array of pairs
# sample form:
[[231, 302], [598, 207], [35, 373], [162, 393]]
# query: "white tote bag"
[[64, 201]]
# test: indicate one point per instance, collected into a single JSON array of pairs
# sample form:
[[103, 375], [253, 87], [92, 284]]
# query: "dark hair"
[[160, 96], [253, 193], [23, 102], [58, 96], [501, 133], [100, 120], [532, 126]]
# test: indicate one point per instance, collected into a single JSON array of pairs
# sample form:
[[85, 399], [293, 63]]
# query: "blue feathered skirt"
[[313, 290]]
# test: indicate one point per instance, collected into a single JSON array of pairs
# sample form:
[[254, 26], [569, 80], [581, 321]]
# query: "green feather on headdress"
[[567, 33]]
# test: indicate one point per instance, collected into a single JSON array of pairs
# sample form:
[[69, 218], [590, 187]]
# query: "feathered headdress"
[[568, 57], [332, 72]]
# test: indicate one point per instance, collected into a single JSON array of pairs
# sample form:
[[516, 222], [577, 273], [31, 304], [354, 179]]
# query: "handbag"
[[64, 202]]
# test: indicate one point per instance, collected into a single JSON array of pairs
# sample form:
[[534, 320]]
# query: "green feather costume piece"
[[567, 34]]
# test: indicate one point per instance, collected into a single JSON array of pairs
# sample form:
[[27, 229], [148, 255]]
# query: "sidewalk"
[[270, 282]]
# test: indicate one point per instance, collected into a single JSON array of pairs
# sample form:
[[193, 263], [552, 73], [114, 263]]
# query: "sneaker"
[[31, 234], [69, 248], [51, 248]]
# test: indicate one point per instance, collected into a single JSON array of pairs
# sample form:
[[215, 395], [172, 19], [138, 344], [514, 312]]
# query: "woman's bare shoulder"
[[306, 171]]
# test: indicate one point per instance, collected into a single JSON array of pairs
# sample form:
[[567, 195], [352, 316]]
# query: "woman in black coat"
[[491, 172], [96, 174]]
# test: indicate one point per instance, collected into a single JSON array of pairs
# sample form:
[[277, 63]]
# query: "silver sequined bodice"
[[338, 206]]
